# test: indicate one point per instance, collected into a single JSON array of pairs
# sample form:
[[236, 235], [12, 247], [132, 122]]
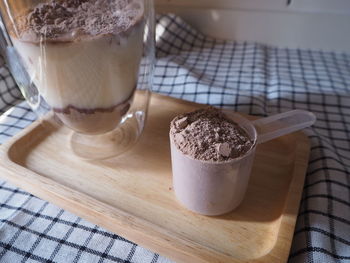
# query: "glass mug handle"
[[281, 124], [17, 68]]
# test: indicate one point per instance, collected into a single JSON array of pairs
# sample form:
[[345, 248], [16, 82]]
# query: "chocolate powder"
[[209, 135], [70, 19]]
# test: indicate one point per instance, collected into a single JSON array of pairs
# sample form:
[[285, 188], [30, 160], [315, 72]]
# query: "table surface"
[[248, 77]]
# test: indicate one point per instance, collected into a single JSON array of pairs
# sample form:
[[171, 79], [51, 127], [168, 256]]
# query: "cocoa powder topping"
[[70, 19], [209, 135]]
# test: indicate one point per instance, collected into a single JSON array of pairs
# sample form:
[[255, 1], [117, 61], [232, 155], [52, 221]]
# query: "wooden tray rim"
[[141, 231]]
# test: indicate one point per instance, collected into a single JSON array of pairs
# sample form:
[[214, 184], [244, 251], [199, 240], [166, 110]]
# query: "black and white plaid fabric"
[[247, 77], [9, 92]]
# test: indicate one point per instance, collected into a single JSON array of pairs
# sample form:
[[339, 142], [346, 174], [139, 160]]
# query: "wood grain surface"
[[132, 195]]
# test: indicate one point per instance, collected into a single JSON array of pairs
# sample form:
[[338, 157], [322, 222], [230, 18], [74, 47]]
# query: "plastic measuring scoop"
[[281, 124], [215, 188]]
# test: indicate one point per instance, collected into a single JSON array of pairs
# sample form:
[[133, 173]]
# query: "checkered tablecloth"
[[247, 77]]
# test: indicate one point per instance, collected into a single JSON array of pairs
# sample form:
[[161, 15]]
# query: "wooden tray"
[[132, 195]]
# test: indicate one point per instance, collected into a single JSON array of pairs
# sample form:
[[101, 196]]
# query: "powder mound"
[[209, 135], [70, 19]]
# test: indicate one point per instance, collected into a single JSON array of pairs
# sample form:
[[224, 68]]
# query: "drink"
[[84, 57]]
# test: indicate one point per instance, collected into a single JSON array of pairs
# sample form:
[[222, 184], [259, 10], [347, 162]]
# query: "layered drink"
[[84, 57]]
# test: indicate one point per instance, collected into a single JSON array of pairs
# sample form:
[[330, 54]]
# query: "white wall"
[[315, 24]]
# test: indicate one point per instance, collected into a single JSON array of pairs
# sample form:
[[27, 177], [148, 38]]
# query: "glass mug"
[[88, 62]]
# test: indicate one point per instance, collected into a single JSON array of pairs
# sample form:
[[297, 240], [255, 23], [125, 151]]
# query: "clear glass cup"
[[87, 62]]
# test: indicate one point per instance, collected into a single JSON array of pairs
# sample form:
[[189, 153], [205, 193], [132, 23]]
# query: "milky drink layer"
[[99, 73], [86, 71]]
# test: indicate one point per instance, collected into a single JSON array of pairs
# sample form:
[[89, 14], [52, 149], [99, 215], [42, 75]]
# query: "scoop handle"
[[281, 124]]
